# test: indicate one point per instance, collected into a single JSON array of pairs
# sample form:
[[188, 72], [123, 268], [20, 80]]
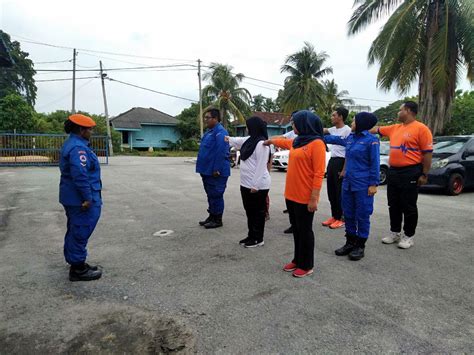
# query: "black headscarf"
[[309, 127], [258, 132], [364, 121]]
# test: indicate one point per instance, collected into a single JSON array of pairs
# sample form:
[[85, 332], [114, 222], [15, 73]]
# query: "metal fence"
[[42, 149]]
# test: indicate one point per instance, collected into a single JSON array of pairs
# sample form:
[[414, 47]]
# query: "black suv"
[[453, 164]]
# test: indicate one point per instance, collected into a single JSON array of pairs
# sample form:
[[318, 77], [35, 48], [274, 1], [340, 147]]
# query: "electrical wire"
[[65, 96], [66, 79], [151, 90], [28, 40]]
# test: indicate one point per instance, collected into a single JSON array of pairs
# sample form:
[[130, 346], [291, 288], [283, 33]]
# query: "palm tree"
[[224, 92], [302, 87], [330, 98], [427, 39]]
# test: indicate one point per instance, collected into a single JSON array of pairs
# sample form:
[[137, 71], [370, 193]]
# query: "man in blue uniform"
[[361, 177], [80, 194], [213, 163]]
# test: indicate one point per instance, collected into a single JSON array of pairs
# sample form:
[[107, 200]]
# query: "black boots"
[[358, 252], [215, 221], [347, 248], [207, 220], [289, 230], [354, 247], [84, 272]]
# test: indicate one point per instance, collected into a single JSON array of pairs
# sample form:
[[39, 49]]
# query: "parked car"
[[280, 160], [384, 151], [453, 164]]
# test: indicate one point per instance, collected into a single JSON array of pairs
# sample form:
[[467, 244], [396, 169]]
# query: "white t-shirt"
[[290, 135], [253, 171], [339, 151]]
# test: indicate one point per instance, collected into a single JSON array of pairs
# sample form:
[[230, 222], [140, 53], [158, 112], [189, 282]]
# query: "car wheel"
[[455, 184], [383, 175]]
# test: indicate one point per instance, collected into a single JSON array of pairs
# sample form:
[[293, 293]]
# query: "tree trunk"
[[435, 107], [436, 103]]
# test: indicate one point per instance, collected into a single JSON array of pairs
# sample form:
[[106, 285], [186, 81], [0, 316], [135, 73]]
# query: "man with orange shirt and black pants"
[[411, 151]]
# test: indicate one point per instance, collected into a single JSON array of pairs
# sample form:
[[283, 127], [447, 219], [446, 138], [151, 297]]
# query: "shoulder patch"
[[81, 152], [83, 158]]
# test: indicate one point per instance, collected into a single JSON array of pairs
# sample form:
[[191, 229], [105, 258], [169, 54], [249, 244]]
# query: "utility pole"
[[74, 81], [200, 99], [106, 110]]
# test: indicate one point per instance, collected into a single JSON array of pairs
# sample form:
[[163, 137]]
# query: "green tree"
[[263, 104], [20, 77], [188, 125], [258, 102], [224, 92], [331, 98], [16, 114], [302, 87], [463, 114], [388, 114], [430, 40]]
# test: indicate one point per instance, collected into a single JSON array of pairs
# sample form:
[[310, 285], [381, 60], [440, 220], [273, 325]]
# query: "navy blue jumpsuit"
[[80, 181], [213, 156], [362, 170]]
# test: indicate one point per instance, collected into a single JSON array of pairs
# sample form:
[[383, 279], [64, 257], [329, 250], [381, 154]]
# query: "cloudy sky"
[[252, 36]]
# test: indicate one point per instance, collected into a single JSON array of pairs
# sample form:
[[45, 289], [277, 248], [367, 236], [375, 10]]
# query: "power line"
[[27, 40], [53, 62], [65, 79], [151, 90], [263, 87], [65, 96], [42, 71], [116, 69]]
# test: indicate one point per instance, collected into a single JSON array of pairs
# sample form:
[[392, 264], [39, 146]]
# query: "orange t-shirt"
[[306, 166], [408, 142]]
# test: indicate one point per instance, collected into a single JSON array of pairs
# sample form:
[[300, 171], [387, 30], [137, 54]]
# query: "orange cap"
[[82, 120]]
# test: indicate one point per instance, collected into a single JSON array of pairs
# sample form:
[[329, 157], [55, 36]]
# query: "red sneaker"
[[328, 222], [302, 273], [337, 224], [289, 267]]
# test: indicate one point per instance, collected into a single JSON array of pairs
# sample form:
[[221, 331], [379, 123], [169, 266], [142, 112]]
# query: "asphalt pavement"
[[197, 290]]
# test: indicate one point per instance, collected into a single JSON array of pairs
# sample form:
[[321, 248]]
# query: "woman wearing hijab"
[[361, 177], [304, 178], [254, 178]]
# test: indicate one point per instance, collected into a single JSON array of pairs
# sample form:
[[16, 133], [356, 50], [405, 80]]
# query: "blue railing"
[[31, 149]]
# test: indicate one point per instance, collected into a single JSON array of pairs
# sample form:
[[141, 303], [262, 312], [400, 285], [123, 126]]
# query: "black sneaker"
[[253, 243], [243, 241], [84, 275], [288, 230]]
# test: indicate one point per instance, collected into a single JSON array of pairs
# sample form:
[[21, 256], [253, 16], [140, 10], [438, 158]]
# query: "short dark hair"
[[342, 111], [412, 106], [214, 112], [71, 127]]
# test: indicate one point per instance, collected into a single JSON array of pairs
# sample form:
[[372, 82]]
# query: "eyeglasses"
[[208, 118]]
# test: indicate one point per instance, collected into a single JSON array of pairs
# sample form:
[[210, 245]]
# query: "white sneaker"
[[391, 238], [406, 242]]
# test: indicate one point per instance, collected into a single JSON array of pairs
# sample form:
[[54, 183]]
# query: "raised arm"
[[236, 142], [337, 140]]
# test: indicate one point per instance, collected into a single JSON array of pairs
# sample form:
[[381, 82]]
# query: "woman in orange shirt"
[[304, 178]]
